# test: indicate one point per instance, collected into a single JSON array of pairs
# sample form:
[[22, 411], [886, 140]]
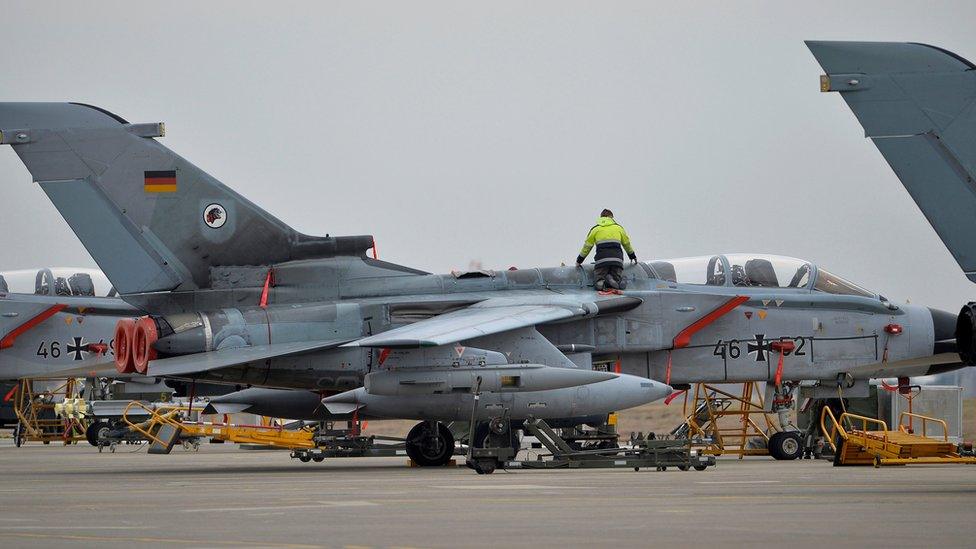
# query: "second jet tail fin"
[[917, 103], [151, 220]]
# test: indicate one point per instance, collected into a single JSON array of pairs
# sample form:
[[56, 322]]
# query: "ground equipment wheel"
[[97, 430], [485, 466], [786, 445], [430, 444], [482, 430], [701, 467], [498, 425], [304, 458], [318, 458]]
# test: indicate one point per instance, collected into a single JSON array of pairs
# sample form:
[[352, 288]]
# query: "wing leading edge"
[[492, 316], [917, 103]]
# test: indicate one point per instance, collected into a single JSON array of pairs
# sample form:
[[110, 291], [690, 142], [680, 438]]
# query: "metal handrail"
[[838, 425], [925, 420], [155, 416], [824, 414]]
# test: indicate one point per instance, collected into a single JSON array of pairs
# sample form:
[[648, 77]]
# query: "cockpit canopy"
[[753, 270], [57, 281]]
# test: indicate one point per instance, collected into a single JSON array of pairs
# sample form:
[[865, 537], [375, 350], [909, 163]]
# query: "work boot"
[[600, 284]]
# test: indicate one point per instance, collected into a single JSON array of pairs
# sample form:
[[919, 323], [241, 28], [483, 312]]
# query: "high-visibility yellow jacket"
[[608, 237]]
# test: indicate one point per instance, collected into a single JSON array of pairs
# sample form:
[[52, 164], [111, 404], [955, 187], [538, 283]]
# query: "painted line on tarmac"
[[509, 487], [196, 542], [317, 505], [738, 482], [35, 527]]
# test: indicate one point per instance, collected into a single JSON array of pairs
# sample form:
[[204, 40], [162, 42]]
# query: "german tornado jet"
[[228, 293]]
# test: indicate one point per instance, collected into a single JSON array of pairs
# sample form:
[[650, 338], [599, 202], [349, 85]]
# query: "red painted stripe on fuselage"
[[9, 339], [683, 339]]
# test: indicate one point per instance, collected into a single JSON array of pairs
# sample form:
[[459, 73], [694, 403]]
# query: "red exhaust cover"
[[122, 345], [142, 347]]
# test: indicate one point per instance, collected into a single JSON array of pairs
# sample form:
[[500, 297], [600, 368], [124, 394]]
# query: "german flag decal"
[[160, 181]]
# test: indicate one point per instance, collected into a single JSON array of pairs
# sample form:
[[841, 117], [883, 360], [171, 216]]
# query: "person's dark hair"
[[606, 213]]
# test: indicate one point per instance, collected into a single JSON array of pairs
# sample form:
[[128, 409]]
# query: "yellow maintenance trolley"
[[861, 440], [164, 426]]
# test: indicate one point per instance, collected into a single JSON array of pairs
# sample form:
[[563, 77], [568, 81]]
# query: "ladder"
[[725, 423], [37, 416], [854, 443]]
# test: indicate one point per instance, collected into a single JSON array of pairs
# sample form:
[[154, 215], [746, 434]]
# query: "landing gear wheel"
[[785, 445], [430, 444], [97, 430]]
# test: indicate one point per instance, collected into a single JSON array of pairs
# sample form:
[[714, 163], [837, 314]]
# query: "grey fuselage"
[[831, 334]]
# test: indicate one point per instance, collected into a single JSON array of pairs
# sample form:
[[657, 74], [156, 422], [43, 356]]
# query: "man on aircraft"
[[611, 241]]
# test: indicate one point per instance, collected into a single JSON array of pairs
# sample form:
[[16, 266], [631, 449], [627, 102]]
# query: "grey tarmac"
[[225, 496]]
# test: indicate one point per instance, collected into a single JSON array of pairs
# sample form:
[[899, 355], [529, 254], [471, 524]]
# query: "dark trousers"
[[609, 276]]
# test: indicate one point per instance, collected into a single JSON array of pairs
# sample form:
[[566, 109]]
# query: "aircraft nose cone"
[[637, 391], [944, 324]]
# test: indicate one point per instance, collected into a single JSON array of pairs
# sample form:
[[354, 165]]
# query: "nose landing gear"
[[786, 445]]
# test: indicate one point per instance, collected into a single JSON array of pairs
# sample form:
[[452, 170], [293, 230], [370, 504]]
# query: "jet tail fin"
[[917, 103], [151, 219]]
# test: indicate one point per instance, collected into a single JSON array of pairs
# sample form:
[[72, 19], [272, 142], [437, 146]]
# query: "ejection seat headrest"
[[760, 272]]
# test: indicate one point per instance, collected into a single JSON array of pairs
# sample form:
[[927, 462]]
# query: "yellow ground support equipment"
[[720, 422], [165, 427], [855, 444], [36, 416]]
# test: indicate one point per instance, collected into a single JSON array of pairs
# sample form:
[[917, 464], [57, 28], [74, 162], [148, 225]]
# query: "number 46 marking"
[[53, 350]]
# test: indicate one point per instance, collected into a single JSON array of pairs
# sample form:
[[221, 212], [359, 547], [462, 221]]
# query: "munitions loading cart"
[[643, 451]]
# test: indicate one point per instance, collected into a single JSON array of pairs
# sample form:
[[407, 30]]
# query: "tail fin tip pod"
[[151, 219], [917, 103]]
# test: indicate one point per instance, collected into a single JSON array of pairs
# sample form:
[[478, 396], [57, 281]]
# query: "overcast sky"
[[498, 132]]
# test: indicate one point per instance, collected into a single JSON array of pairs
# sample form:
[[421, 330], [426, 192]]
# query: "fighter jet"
[[55, 321], [232, 294]]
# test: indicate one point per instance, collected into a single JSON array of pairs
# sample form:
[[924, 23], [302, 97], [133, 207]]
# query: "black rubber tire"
[[427, 449], [701, 467], [304, 458], [91, 433], [485, 466], [318, 458], [786, 445]]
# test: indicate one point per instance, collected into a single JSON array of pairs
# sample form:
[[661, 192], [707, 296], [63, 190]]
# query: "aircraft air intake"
[[966, 334]]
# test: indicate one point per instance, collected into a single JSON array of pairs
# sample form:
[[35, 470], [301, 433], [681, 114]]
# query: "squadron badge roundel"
[[214, 215]]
